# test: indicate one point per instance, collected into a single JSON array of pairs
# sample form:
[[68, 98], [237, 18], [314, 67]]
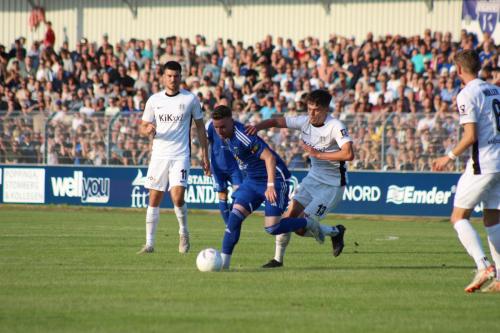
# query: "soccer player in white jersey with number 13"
[[167, 118], [329, 146], [479, 109]]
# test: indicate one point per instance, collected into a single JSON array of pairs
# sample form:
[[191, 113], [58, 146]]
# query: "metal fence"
[[382, 141]]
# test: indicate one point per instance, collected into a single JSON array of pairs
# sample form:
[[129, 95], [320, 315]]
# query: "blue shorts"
[[223, 178], [251, 194]]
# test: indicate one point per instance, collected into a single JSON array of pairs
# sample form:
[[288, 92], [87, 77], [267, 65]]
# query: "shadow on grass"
[[347, 268], [368, 252], [403, 252]]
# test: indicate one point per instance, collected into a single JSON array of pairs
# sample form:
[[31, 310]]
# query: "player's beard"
[[172, 87]]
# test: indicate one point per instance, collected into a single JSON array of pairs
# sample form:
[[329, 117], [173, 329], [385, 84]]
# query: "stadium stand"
[[83, 106]]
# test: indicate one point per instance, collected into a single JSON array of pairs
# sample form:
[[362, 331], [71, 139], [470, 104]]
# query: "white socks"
[[152, 219], [181, 213], [281, 241], [226, 260], [472, 243], [494, 242]]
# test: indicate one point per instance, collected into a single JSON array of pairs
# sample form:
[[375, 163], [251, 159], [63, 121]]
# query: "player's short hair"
[[221, 112], [319, 97], [173, 66], [469, 60]]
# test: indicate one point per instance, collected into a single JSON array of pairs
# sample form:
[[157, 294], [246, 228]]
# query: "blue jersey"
[[221, 158], [247, 150]]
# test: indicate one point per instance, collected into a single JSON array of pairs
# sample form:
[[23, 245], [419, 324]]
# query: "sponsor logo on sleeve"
[[462, 110]]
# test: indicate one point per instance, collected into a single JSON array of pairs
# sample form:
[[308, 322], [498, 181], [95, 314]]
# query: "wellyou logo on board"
[[399, 195], [89, 189]]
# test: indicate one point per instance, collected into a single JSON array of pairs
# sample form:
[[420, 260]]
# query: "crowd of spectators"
[[83, 105]]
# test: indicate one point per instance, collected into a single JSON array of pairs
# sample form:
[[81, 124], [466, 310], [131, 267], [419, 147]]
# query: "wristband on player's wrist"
[[270, 184], [452, 156]]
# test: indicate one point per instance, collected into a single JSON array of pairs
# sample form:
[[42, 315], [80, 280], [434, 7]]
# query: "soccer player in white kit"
[[479, 108], [329, 146], [167, 118]]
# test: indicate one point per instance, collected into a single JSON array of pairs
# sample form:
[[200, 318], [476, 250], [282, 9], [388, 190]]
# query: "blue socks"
[[232, 233], [224, 210], [287, 225]]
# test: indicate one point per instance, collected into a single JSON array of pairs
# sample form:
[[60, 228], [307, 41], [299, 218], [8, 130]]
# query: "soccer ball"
[[209, 260]]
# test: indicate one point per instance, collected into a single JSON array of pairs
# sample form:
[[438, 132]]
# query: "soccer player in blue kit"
[[224, 170], [265, 181]]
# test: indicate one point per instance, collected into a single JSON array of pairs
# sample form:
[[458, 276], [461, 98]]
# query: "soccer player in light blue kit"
[[224, 170], [265, 181]]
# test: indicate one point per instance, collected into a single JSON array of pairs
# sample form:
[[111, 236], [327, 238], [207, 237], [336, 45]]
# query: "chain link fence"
[[382, 141]]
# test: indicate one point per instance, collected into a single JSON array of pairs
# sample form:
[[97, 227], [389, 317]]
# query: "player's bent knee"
[[235, 219], [241, 208], [459, 214]]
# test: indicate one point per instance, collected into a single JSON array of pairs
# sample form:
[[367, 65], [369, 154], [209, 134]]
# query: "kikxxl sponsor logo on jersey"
[[170, 118], [409, 195], [89, 189]]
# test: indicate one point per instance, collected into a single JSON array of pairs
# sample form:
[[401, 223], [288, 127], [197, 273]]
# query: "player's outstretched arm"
[[270, 161], [468, 139], [202, 137], [346, 152], [269, 123], [147, 129]]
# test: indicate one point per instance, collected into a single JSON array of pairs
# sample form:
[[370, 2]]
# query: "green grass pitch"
[[75, 270]]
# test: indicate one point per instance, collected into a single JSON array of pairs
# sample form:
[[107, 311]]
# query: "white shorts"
[[473, 189], [317, 198], [163, 172]]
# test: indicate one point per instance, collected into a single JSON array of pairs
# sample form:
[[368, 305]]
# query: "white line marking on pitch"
[[388, 238]]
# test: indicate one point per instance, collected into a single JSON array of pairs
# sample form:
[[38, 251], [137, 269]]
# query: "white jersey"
[[327, 138], [479, 102], [172, 117]]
